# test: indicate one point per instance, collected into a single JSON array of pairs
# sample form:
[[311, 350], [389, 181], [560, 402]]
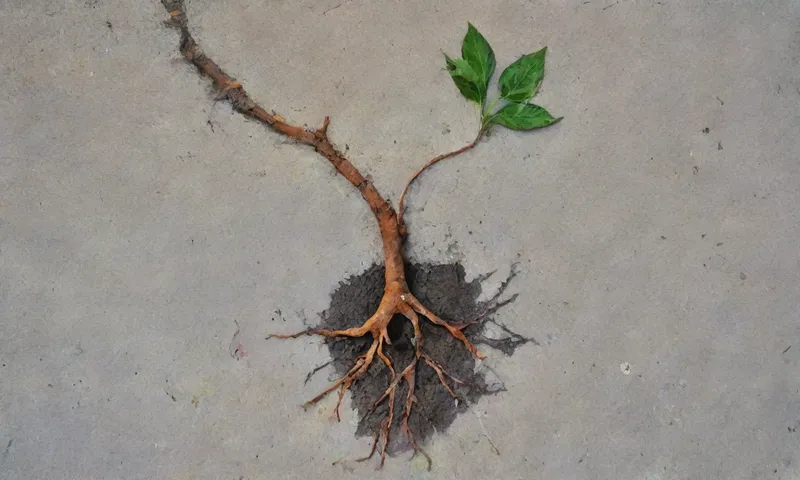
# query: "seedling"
[[472, 75]]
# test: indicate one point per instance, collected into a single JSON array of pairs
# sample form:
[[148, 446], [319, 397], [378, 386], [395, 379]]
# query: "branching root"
[[405, 304]]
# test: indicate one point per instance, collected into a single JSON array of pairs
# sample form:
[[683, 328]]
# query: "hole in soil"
[[443, 290]]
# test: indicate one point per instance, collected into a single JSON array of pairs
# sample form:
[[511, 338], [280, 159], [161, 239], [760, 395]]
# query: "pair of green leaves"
[[518, 84]]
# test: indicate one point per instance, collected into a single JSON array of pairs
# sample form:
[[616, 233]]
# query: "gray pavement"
[[142, 226]]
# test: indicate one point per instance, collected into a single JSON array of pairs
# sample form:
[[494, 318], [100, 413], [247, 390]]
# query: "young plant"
[[518, 84], [471, 74]]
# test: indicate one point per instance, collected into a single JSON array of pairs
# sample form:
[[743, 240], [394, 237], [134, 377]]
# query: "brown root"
[[396, 299], [404, 303]]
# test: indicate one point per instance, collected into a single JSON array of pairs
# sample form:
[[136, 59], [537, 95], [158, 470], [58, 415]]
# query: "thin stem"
[[484, 114], [431, 162], [488, 121]]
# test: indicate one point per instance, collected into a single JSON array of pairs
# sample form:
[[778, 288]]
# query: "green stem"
[[491, 107], [485, 116]]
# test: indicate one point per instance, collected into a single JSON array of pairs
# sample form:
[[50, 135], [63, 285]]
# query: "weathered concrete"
[[141, 226]]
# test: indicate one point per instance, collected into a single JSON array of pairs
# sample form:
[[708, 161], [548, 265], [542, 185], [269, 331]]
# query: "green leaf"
[[523, 116], [466, 79], [477, 52], [519, 82]]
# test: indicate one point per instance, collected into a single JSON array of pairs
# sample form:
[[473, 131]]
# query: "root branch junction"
[[396, 300]]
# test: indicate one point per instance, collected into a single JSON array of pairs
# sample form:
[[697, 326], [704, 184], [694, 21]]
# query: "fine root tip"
[[420, 451], [322, 132]]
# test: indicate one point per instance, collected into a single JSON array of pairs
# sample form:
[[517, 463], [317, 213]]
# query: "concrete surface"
[[142, 226]]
